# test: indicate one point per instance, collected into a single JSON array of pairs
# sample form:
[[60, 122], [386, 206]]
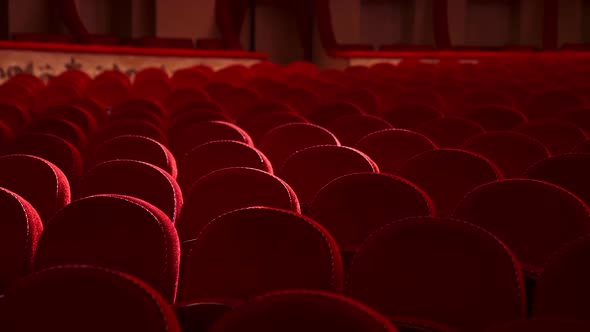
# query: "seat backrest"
[[512, 152], [115, 232], [68, 297], [202, 132], [54, 149], [137, 179], [252, 251], [131, 127], [541, 325], [495, 117], [533, 218], [390, 148], [578, 116], [61, 128], [260, 124], [228, 189], [20, 228], [446, 175], [410, 116], [217, 155], [312, 311], [353, 206], [324, 113], [450, 132], [36, 180], [308, 170], [280, 143], [569, 171], [434, 270], [138, 148], [551, 102], [181, 97], [559, 136], [562, 290], [14, 116], [77, 115], [351, 128]]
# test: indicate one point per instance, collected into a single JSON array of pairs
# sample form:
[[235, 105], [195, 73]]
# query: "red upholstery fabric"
[[108, 91], [77, 115], [559, 136], [583, 147], [533, 218], [324, 113], [201, 315], [435, 270], [552, 102], [512, 152], [353, 206], [55, 95], [141, 109], [569, 171], [136, 148], [116, 232], [14, 116], [180, 97], [63, 129], [351, 128], [483, 97], [447, 175], [228, 189], [410, 116], [312, 311], [188, 78], [562, 290], [450, 132], [92, 106], [303, 100], [495, 117], [280, 143], [257, 126], [202, 132], [136, 179], [253, 251], [54, 149], [541, 325], [154, 89], [365, 99], [237, 101], [578, 116], [217, 155], [68, 297], [19, 233], [308, 170], [425, 96], [36, 180], [392, 147], [131, 127]]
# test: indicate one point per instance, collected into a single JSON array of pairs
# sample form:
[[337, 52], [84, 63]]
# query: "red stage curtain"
[[440, 24], [73, 22], [550, 24]]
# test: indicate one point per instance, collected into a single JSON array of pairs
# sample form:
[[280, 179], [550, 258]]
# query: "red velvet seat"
[[252, 251], [390, 148], [131, 127], [512, 152], [569, 171], [301, 99], [494, 117], [178, 98], [551, 102], [353, 206], [578, 116], [36, 180], [138, 148], [410, 116], [217, 155], [583, 147], [140, 109], [351, 128], [54, 149], [14, 116], [137, 179], [308, 170], [64, 129], [562, 290], [199, 133], [533, 218], [97, 110], [312, 311], [109, 89], [424, 96], [67, 297], [77, 115], [446, 175], [559, 136], [257, 126], [228, 189], [20, 229], [541, 325], [428, 270], [327, 112], [188, 78], [450, 132], [280, 143], [116, 232], [365, 99], [201, 315], [237, 100], [482, 97]]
